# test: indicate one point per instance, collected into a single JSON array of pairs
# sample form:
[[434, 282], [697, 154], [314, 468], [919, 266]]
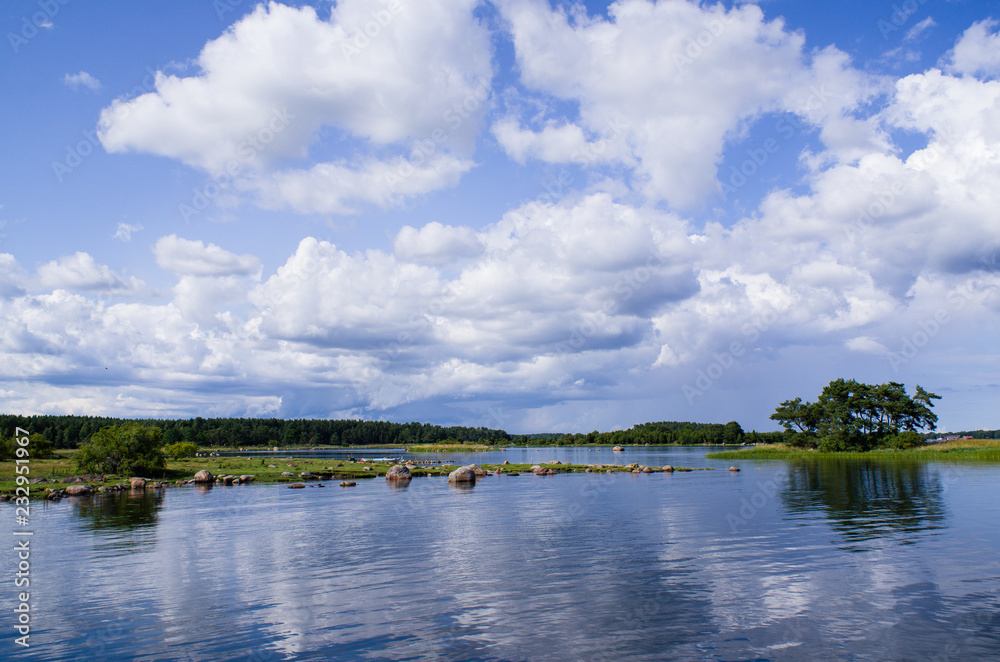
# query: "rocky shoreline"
[[88, 485]]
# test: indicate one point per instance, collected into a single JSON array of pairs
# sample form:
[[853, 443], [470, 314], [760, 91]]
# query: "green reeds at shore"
[[983, 450]]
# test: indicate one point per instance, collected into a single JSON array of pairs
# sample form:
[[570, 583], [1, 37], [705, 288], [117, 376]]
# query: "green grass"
[[450, 448], [983, 450]]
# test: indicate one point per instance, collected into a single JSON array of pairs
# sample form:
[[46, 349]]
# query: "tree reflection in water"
[[868, 499], [120, 511]]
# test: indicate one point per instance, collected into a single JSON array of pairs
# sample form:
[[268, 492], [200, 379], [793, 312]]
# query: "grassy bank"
[[450, 448], [264, 470], [982, 450]]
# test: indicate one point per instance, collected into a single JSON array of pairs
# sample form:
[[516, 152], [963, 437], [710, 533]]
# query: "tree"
[[126, 449], [39, 446], [180, 449], [732, 433], [850, 415], [803, 416]]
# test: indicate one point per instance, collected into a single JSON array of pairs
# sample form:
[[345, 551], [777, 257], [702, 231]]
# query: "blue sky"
[[518, 214]]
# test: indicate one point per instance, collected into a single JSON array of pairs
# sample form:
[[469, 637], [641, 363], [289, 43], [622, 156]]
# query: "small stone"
[[296, 486], [78, 490], [348, 483], [287, 474], [734, 468], [137, 483], [617, 449], [246, 478], [306, 474]]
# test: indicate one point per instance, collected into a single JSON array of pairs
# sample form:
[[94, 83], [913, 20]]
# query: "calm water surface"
[[783, 561]]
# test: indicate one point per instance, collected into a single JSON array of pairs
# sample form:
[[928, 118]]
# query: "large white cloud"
[[279, 80], [668, 83]]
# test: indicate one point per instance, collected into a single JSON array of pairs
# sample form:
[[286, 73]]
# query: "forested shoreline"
[[71, 431]]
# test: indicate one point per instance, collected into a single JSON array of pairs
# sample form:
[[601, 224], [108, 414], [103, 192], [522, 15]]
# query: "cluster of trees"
[[129, 449], [72, 431], [850, 415], [38, 446], [654, 434]]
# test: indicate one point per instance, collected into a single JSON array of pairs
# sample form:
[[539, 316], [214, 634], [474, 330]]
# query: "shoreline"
[[289, 471]]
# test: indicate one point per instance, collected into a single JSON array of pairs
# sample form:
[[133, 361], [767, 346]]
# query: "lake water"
[[834, 560]]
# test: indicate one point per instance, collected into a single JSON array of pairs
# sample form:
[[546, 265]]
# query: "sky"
[[519, 214]]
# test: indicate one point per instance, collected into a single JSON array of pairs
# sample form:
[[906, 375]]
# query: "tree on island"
[[850, 415]]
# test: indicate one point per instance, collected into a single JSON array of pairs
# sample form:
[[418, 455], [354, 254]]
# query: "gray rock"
[[137, 483], [296, 486], [348, 483], [78, 490], [204, 476], [398, 472], [462, 475]]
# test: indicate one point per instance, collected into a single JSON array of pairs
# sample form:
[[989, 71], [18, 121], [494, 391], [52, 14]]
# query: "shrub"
[[908, 439], [38, 447], [180, 449], [128, 449], [833, 444]]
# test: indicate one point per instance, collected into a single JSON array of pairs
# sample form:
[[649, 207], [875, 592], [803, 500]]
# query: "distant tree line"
[[850, 415], [655, 434], [72, 431]]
